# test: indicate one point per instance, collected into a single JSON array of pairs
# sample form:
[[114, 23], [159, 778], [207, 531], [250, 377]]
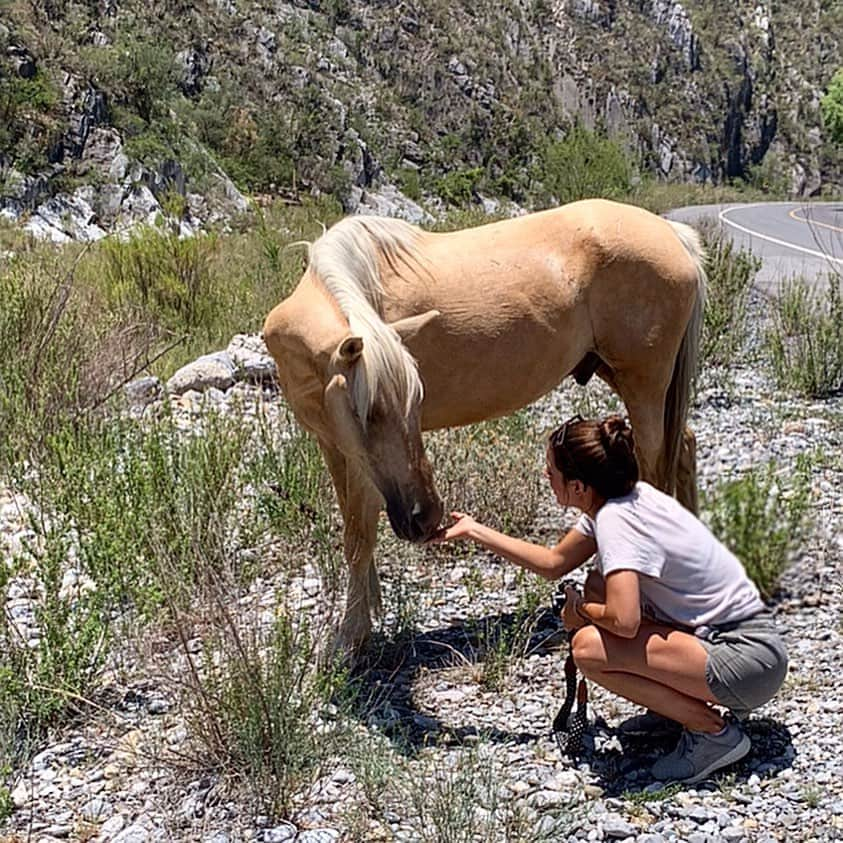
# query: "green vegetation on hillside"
[[449, 101]]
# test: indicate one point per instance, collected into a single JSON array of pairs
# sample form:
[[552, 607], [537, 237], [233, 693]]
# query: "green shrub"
[[154, 508], [408, 181], [158, 272], [30, 118], [261, 708], [731, 272], [584, 165], [805, 339], [458, 187], [831, 106], [139, 72], [762, 519], [40, 686]]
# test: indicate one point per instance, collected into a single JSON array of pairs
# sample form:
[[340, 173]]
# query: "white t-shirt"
[[686, 575]]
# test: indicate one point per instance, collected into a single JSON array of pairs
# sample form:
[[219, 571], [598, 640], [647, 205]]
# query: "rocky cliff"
[[111, 109]]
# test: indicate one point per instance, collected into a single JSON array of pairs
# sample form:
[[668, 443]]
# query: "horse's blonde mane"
[[345, 260]]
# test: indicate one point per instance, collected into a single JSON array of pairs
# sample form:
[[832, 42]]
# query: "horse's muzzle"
[[415, 522]]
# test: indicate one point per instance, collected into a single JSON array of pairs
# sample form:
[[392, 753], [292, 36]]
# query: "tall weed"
[[731, 272], [39, 685], [805, 339], [490, 470], [456, 799], [260, 708]]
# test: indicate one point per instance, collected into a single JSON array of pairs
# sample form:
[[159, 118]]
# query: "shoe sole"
[[730, 757]]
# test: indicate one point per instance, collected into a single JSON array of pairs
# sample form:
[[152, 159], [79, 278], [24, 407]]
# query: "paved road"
[[791, 238]]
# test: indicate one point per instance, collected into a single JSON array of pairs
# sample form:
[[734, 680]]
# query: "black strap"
[[568, 730]]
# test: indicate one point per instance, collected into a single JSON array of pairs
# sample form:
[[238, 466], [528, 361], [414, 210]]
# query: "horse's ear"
[[409, 327], [350, 349]]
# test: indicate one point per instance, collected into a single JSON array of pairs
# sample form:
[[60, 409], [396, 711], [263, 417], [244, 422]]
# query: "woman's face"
[[557, 481]]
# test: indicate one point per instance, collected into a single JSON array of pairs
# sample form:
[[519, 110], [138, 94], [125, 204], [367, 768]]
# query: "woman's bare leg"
[[661, 668]]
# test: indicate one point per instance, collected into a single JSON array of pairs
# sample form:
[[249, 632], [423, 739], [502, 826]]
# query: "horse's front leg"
[[360, 504], [363, 506]]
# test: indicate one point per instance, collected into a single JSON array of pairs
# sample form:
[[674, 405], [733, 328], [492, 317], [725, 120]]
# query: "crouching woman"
[[669, 620]]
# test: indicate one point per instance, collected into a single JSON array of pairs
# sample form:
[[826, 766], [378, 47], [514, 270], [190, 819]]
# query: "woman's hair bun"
[[617, 435]]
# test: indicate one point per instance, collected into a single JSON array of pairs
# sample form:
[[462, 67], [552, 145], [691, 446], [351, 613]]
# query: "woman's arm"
[[549, 562], [620, 614]]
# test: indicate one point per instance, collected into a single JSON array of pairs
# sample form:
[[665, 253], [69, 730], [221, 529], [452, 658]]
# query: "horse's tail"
[[685, 368]]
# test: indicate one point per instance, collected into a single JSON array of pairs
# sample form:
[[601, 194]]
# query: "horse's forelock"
[[345, 260]]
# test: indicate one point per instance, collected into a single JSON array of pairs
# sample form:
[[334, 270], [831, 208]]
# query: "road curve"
[[791, 238]]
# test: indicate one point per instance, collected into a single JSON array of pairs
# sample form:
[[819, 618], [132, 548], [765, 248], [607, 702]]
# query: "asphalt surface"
[[791, 238]]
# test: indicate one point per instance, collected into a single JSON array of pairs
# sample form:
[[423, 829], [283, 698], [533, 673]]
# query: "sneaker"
[[698, 754], [649, 725]]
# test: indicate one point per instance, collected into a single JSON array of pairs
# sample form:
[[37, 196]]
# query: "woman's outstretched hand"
[[460, 529]]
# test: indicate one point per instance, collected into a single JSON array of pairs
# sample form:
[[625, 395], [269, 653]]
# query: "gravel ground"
[[106, 780]]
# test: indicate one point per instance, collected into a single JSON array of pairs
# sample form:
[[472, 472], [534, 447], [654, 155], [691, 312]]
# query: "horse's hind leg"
[[641, 396], [686, 478], [644, 396]]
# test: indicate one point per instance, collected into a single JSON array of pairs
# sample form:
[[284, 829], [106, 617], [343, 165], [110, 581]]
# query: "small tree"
[[584, 165], [832, 108]]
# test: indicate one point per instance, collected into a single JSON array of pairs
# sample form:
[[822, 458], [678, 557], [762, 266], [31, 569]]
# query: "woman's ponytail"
[[599, 453]]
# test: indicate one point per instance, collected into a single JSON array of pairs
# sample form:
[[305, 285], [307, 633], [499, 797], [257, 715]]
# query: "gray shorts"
[[746, 663]]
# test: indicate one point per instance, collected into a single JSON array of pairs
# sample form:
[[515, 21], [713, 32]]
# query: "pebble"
[[133, 834], [280, 834]]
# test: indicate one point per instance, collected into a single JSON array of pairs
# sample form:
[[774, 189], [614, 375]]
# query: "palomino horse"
[[393, 330]]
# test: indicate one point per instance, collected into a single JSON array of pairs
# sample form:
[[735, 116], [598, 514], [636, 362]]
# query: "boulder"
[[65, 218], [211, 370], [389, 201], [251, 359], [143, 391]]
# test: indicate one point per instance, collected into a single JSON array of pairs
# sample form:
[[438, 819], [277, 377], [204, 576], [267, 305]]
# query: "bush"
[[139, 72], [831, 106], [731, 272], [458, 187], [30, 117], [154, 509], [805, 339], [40, 686], [490, 470], [170, 277], [761, 520], [261, 709], [583, 165]]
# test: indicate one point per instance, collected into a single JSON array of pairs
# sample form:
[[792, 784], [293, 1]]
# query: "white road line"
[[813, 252]]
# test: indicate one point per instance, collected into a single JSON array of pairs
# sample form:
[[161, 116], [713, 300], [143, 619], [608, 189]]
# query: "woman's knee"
[[587, 649]]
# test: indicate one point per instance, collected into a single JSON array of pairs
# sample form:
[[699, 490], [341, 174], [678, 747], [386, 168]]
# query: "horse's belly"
[[465, 395]]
